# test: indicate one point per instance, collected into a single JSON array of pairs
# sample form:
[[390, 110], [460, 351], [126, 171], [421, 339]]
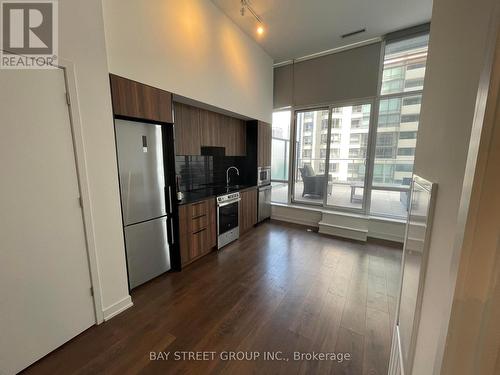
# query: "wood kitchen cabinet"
[[197, 230], [198, 127], [248, 209], [264, 139], [187, 130], [139, 101]]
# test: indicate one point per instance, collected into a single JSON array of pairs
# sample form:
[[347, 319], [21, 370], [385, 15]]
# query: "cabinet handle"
[[201, 230]]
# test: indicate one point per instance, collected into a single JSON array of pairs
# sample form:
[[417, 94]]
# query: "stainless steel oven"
[[263, 176], [228, 207]]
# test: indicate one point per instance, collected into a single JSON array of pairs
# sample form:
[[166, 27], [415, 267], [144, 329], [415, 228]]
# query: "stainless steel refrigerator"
[[146, 202]]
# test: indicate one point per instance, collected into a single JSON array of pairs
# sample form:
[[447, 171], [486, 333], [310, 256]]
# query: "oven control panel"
[[228, 197]]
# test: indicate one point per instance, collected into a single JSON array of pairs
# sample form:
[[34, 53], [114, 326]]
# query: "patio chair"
[[314, 185]]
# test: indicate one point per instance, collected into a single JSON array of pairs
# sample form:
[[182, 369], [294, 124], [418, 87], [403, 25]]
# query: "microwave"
[[263, 176]]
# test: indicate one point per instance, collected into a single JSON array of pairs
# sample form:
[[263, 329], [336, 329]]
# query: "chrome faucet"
[[227, 174]]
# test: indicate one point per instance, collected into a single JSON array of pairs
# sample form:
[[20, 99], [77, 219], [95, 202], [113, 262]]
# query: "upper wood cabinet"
[[197, 127], [136, 100], [264, 138], [187, 130]]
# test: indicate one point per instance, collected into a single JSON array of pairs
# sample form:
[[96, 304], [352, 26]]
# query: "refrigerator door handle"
[[172, 230], [170, 199]]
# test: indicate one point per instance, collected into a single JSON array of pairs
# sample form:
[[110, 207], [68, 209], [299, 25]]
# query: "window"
[[416, 66], [356, 123], [336, 137], [404, 65], [406, 151], [410, 118], [417, 83], [310, 163], [412, 100], [404, 167], [280, 156], [408, 135], [342, 182], [399, 115], [384, 152]]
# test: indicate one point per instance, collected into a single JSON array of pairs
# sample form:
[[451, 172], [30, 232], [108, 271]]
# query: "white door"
[[45, 297]]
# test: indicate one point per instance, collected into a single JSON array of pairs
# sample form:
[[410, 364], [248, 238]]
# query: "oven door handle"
[[228, 203]]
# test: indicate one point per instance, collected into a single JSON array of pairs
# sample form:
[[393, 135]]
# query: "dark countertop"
[[210, 192]]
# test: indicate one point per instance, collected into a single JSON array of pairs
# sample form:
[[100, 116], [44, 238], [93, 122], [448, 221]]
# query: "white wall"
[[456, 56], [81, 40], [190, 48]]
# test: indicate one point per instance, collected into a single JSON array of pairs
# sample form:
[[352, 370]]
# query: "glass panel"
[[279, 192], [310, 162], [348, 153], [404, 65], [389, 203], [394, 152], [280, 145], [396, 141]]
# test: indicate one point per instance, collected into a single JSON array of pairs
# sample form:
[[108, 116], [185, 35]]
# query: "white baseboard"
[[341, 231], [387, 236], [117, 308], [295, 221], [341, 224]]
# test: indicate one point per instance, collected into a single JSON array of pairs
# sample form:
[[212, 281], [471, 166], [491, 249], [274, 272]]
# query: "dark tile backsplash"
[[197, 172], [194, 172]]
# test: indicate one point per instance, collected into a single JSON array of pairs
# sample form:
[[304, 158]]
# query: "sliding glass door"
[[310, 150], [349, 128], [331, 149]]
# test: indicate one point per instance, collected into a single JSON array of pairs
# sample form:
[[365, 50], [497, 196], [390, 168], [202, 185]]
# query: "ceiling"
[[297, 28]]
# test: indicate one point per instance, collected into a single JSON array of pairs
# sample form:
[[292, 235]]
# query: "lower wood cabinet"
[[248, 209], [197, 229]]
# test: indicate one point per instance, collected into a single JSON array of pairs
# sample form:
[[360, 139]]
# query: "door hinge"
[[68, 100], [80, 201], [92, 291]]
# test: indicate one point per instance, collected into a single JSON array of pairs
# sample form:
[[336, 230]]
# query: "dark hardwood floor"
[[279, 288]]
